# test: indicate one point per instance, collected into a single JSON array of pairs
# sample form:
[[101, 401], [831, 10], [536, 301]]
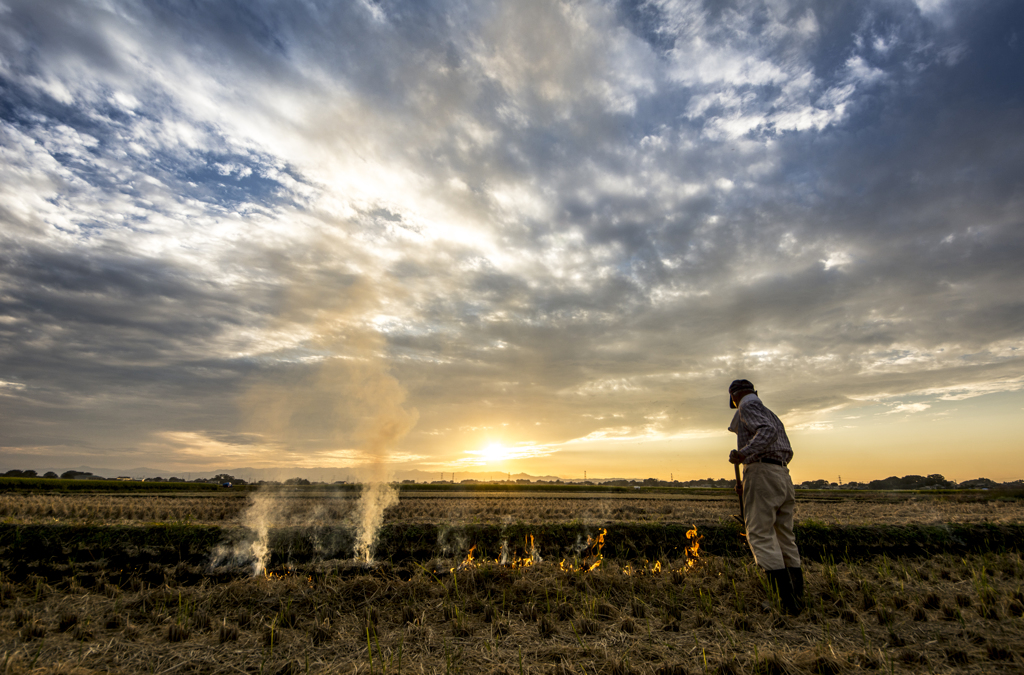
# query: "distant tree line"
[[912, 482], [29, 473], [932, 481], [88, 475]]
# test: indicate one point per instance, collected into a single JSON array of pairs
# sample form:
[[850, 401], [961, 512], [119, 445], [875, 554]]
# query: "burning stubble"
[[267, 509]]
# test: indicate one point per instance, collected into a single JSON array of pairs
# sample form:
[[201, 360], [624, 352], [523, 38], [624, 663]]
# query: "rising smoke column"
[[263, 511], [388, 423], [333, 398], [376, 497]]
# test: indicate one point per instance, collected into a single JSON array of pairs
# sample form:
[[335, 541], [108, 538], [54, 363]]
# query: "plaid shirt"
[[759, 433]]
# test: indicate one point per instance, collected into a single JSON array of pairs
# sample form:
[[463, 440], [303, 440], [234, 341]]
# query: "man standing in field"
[[767, 492]]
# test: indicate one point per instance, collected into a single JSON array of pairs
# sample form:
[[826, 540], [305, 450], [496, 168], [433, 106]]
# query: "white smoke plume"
[[506, 555], [375, 498], [450, 541], [254, 549]]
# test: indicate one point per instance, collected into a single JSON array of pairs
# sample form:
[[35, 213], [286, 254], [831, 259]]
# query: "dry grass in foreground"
[[937, 615]]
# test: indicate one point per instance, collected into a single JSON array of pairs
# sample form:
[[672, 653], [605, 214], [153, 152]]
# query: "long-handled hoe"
[[739, 484]]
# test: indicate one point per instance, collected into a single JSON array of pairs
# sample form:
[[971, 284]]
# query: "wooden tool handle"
[[739, 484]]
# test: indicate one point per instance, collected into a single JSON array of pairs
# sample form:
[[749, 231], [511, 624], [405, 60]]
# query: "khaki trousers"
[[768, 504]]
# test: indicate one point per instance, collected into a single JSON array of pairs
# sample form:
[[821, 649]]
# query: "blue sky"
[[529, 235]]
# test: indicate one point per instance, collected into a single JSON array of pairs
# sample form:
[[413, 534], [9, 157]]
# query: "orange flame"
[[270, 576], [646, 568], [595, 550], [589, 562], [468, 563], [531, 555], [276, 575], [592, 560], [693, 550]]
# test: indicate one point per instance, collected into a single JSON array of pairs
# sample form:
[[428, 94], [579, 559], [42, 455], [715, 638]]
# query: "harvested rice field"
[[85, 587], [300, 506]]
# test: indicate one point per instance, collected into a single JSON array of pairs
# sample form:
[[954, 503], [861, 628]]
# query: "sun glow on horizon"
[[493, 453], [498, 455]]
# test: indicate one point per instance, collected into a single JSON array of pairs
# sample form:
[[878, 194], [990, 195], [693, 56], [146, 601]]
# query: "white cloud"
[[813, 426], [751, 75], [837, 259], [604, 387], [8, 388], [862, 72], [963, 391], [908, 408], [932, 8]]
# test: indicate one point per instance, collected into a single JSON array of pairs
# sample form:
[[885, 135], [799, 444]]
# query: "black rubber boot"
[[796, 576], [780, 580]]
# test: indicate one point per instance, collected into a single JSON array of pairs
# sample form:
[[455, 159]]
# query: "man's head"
[[737, 390]]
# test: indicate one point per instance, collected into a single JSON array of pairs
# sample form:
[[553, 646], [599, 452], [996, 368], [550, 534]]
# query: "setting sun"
[[498, 455], [493, 453]]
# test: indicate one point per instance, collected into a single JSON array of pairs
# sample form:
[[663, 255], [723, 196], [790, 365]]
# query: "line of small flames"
[[588, 563]]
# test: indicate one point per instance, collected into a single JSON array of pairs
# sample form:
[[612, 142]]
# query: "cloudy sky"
[[511, 235]]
